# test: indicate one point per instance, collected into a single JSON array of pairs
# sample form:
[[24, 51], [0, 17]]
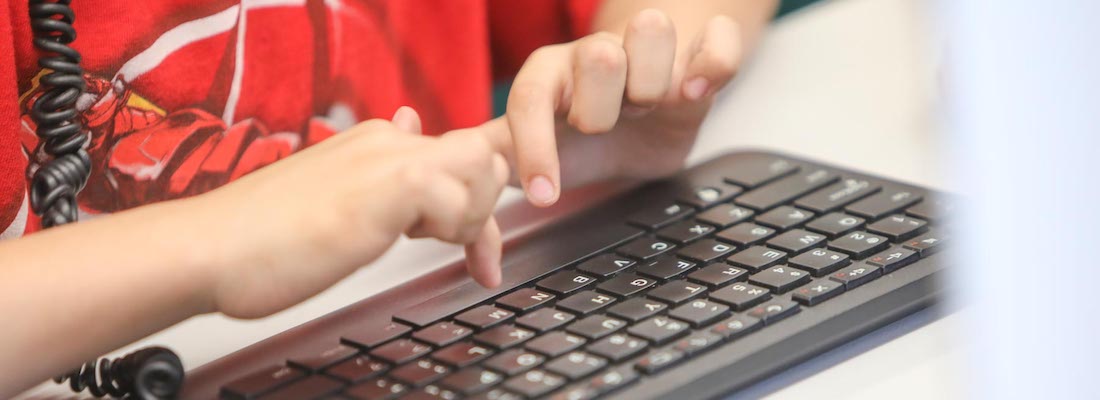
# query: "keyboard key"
[[705, 196], [933, 209], [564, 249], [514, 361], [678, 291], [565, 282], [660, 215], [724, 215], [774, 310], [554, 344], [618, 347], [468, 381], [817, 291], [645, 248], [606, 381], [496, 394], [658, 360], [378, 388], [856, 274], [698, 342], [784, 217], [370, 337], [504, 336], [796, 241], [585, 302], [835, 224], [705, 251], [715, 275], [685, 232], [442, 333], [786, 189], [624, 285], [659, 330], [892, 259], [420, 373], [745, 234], [665, 267], [261, 382], [859, 244], [596, 326], [525, 300], [740, 296], [483, 317], [883, 203], [400, 351], [756, 258], [544, 319], [898, 227], [637, 309], [754, 170], [357, 369], [820, 262], [737, 326], [534, 383], [462, 354], [605, 265], [576, 365], [700, 312], [325, 358], [313, 387], [780, 278], [926, 244], [837, 195], [431, 392]]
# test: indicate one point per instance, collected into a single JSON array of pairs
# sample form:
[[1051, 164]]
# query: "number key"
[[780, 278], [898, 227], [859, 244], [820, 262]]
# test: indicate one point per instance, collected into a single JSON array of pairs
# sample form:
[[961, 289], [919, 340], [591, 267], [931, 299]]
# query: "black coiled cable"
[[151, 373]]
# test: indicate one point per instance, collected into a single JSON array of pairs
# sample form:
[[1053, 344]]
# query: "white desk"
[[842, 82]]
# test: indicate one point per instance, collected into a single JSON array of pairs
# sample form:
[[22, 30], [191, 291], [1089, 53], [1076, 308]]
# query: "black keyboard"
[[690, 287]]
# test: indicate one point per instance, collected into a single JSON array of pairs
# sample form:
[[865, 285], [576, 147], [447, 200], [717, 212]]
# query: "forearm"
[[74, 292], [690, 15]]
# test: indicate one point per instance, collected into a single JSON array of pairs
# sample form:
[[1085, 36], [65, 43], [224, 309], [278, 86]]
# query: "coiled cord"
[[151, 373], [56, 182]]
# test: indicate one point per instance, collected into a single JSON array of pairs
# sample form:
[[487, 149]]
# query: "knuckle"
[[525, 93], [602, 53]]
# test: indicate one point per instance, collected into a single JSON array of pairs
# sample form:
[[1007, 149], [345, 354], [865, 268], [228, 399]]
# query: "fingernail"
[[540, 190], [695, 88]]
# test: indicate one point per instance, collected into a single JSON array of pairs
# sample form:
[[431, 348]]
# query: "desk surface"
[[843, 82]]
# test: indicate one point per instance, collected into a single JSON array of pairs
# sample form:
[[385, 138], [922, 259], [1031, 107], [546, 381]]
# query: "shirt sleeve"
[[517, 28], [13, 163]]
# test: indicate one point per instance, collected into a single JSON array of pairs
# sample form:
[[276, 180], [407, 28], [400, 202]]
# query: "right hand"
[[300, 225]]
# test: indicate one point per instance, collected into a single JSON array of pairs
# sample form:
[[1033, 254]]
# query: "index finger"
[[532, 106]]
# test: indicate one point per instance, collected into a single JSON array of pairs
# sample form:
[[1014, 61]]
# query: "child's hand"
[[641, 96], [296, 227]]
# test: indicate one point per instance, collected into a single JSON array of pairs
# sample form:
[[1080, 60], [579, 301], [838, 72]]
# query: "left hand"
[[610, 105]]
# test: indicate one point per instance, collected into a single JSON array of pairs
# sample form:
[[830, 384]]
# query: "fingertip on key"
[[541, 192]]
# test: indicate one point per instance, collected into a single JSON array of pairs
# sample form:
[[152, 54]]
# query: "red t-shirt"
[[186, 95]]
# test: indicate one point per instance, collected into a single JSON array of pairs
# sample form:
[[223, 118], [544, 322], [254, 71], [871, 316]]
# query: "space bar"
[[521, 265]]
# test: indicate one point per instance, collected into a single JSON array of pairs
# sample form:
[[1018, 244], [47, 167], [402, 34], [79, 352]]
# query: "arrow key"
[[856, 274]]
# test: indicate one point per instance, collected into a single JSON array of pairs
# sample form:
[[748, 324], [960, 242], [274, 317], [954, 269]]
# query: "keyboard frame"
[[732, 366]]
